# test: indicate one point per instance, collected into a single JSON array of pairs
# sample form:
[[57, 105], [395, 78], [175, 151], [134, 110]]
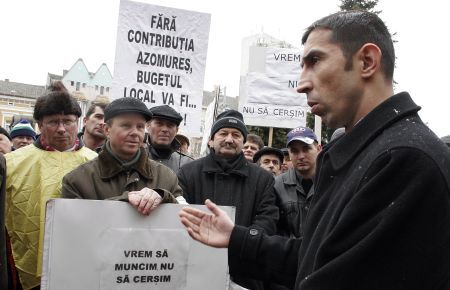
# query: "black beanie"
[[126, 105], [229, 119]]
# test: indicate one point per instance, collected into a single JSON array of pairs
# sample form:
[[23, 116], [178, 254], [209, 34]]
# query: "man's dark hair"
[[252, 138], [352, 29], [94, 105], [56, 100]]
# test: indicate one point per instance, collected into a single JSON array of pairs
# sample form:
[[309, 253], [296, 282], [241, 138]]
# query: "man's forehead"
[[270, 156], [229, 130], [299, 144], [60, 116], [317, 39]]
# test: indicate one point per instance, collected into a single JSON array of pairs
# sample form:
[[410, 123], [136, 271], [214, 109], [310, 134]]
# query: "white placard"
[[161, 57], [91, 244], [268, 92]]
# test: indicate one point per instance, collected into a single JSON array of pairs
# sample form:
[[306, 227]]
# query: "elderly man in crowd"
[[34, 175], [123, 169], [269, 159], [227, 178]]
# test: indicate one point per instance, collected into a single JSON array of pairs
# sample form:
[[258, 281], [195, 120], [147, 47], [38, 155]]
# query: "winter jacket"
[[33, 177], [247, 187], [380, 217], [293, 203], [174, 159], [105, 178]]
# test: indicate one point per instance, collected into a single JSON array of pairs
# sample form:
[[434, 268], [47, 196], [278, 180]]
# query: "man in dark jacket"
[[381, 214], [294, 189], [227, 178], [162, 145]]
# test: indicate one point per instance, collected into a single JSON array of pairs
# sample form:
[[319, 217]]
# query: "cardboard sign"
[[161, 57], [108, 245]]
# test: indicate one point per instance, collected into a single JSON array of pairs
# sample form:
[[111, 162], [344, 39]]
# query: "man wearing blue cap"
[[294, 189]]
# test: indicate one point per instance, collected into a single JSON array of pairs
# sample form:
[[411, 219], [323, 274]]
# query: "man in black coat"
[[381, 215], [227, 178]]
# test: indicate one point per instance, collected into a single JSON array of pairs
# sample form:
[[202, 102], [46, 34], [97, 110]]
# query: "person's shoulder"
[[88, 153], [183, 155], [84, 169]]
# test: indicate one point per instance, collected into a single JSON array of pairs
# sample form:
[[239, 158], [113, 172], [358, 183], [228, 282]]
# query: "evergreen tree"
[[367, 5]]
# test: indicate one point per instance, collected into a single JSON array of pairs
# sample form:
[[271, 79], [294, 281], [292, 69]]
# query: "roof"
[[21, 90]]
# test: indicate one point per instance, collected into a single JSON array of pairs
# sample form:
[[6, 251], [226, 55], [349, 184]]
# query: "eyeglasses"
[[66, 123]]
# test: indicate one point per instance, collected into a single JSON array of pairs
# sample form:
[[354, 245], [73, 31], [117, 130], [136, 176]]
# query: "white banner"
[[268, 92], [161, 57], [110, 246]]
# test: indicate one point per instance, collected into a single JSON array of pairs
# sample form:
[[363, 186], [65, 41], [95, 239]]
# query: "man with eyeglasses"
[[34, 175]]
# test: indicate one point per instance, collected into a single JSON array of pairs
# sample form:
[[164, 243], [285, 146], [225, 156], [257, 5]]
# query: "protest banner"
[[268, 90], [161, 57], [91, 244]]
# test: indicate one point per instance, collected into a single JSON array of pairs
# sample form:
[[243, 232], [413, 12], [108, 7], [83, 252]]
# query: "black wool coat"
[[380, 217]]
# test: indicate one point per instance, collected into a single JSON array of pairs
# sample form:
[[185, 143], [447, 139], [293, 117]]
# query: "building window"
[[84, 85], [101, 90], [78, 86], [96, 87], [107, 89], [71, 83]]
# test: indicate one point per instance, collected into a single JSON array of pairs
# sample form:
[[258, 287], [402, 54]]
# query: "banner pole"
[[270, 136]]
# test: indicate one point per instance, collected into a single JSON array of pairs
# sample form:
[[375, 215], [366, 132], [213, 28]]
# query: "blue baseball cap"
[[303, 134]]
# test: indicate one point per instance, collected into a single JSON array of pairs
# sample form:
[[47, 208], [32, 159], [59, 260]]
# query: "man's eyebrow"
[[312, 53]]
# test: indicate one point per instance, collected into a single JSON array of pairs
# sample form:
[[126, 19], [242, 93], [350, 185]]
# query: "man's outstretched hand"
[[212, 229]]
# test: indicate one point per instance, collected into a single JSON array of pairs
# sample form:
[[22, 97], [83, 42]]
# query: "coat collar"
[[347, 147], [109, 166], [290, 177], [211, 166]]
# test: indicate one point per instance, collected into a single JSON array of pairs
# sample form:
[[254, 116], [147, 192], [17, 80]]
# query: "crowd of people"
[[369, 210]]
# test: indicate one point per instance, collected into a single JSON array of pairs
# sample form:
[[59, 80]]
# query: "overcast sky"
[[49, 36]]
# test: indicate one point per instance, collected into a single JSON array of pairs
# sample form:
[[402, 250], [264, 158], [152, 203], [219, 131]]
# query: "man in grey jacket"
[[161, 142], [294, 189]]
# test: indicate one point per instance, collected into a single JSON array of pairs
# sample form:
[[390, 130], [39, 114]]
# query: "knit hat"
[[166, 112], [126, 105], [4, 132], [23, 128], [229, 119]]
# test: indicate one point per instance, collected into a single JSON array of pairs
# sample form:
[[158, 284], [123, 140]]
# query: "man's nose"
[[304, 85]]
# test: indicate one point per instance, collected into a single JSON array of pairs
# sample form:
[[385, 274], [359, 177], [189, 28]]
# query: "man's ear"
[[369, 57], [106, 129]]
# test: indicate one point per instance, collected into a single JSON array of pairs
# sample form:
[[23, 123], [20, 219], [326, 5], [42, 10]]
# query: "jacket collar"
[[290, 177], [390, 111], [211, 166], [109, 166]]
